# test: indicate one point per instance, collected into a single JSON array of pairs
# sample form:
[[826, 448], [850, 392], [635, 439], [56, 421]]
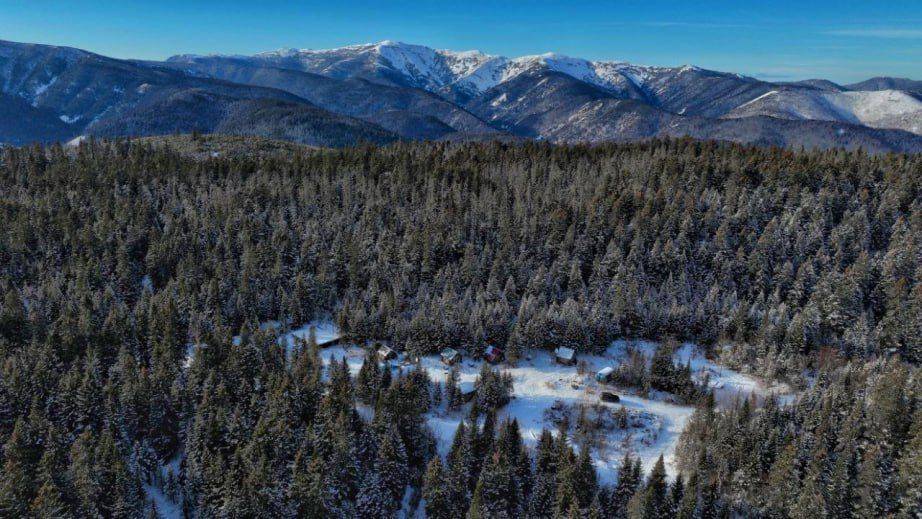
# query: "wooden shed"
[[493, 354], [386, 354], [565, 356], [450, 356]]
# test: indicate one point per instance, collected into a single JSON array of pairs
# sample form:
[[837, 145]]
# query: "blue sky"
[[843, 40]]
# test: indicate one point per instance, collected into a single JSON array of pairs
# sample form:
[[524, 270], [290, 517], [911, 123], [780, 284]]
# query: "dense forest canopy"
[[782, 253], [116, 256]]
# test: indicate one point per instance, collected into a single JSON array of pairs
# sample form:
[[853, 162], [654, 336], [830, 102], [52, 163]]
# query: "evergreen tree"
[[436, 490]]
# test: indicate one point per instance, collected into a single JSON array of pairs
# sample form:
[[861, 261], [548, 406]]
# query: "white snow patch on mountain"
[[422, 64], [878, 109], [41, 89], [763, 96], [873, 106], [471, 71], [73, 143]]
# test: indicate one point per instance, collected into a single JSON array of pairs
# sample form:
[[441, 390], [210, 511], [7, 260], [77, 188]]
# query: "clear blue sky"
[[842, 40]]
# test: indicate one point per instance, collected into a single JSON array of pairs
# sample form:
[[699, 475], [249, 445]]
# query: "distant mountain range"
[[388, 91]]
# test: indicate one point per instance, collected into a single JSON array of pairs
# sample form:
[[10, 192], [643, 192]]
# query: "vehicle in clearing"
[[604, 375], [468, 391], [329, 342], [608, 396]]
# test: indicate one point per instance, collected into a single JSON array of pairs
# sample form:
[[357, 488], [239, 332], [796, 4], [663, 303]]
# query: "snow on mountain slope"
[[471, 71], [877, 109], [423, 65], [873, 107], [519, 95], [608, 75]]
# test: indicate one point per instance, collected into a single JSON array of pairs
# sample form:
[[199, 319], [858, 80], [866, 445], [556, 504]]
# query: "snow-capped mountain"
[[877, 109], [388, 90], [50, 93], [463, 77], [471, 72]]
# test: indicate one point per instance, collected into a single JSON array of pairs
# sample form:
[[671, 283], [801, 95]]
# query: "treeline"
[[851, 446]]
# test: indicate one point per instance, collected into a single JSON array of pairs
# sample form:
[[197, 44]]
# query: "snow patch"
[[763, 96], [76, 141], [39, 90]]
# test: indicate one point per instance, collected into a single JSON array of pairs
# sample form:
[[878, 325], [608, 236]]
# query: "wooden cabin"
[[450, 356], [565, 356], [385, 354], [492, 354]]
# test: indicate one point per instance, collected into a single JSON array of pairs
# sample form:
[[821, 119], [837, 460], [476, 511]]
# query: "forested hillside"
[[115, 257]]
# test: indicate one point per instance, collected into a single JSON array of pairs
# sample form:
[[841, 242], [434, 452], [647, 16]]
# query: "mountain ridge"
[[389, 90]]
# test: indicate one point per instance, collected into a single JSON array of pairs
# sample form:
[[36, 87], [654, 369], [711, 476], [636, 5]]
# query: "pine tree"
[[625, 488], [460, 470], [17, 482], [391, 466], [585, 480], [475, 510], [374, 500], [652, 502], [909, 471], [676, 496], [436, 490], [307, 492]]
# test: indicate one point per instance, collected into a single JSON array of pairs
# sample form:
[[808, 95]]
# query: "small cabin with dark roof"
[[493, 354], [565, 356], [329, 342], [450, 356], [385, 354]]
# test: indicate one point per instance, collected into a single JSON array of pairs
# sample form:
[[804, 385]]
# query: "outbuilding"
[[610, 397], [329, 342], [604, 375], [450, 356], [493, 354], [565, 356], [386, 354]]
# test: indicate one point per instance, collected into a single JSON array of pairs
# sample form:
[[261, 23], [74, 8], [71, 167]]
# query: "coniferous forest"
[[800, 266]]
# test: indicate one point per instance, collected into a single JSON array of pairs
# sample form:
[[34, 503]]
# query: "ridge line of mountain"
[[388, 91]]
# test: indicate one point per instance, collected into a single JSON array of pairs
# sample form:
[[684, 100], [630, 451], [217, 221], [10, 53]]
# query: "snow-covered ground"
[[167, 508], [539, 382]]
